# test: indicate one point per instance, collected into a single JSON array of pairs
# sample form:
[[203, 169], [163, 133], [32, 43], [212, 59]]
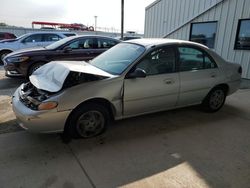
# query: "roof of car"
[[101, 36], [149, 42], [48, 32]]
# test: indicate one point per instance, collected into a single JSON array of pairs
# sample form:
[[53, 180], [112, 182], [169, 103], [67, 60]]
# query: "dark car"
[[82, 48], [6, 35]]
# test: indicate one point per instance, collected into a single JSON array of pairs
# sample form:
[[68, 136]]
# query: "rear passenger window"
[[105, 43], [194, 59], [50, 37]]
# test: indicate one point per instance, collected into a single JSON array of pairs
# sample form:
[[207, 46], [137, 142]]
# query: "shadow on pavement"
[[8, 83], [9, 126]]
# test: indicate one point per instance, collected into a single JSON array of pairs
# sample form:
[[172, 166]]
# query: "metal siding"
[[162, 18], [232, 27], [227, 13], [221, 30], [168, 16], [238, 14], [181, 12], [228, 28]]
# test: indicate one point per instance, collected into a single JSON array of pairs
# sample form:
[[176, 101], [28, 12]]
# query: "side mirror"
[[138, 73], [67, 49]]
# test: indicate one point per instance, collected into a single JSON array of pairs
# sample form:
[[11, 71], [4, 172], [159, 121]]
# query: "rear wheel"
[[3, 54], [215, 99], [88, 120], [34, 67]]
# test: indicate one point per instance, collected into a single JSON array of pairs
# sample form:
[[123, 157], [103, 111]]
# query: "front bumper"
[[38, 121], [11, 70]]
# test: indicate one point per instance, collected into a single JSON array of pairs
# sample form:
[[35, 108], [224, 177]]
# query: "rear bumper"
[[38, 121], [233, 86]]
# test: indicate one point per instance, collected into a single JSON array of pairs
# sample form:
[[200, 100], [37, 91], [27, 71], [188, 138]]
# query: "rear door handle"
[[213, 75], [168, 81]]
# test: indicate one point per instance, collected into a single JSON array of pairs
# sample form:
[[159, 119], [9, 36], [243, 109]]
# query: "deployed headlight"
[[17, 59], [47, 105]]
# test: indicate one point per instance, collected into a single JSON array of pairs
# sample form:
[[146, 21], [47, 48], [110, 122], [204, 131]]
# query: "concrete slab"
[[180, 148], [42, 161]]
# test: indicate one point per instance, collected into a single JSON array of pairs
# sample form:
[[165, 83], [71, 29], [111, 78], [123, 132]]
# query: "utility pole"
[[122, 18], [95, 22]]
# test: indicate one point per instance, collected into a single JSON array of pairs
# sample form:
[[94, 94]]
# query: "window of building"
[[242, 41], [194, 59], [204, 33]]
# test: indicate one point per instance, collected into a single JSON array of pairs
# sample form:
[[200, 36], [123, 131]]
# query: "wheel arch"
[[32, 64], [101, 101], [6, 49], [224, 86]]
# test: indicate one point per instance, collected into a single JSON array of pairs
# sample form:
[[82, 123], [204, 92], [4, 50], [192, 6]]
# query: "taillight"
[[240, 70]]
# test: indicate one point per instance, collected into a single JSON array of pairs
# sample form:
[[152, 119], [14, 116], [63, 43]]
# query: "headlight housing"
[[17, 59]]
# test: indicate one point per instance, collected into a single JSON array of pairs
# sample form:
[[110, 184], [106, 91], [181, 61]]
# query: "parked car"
[[25, 62], [128, 38], [38, 39], [6, 35], [132, 78]]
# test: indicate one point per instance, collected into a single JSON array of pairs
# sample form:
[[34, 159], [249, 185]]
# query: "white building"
[[223, 25]]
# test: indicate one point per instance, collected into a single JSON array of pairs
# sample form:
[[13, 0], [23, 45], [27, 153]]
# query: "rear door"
[[198, 74], [81, 49], [159, 89]]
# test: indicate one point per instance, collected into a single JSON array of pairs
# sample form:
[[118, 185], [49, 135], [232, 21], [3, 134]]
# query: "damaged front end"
[[34, 98]]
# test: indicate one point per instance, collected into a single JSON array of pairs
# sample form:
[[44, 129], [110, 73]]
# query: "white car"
[[133, 78], [40, 39]]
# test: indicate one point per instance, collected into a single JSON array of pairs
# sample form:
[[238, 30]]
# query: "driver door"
[[159, 90]]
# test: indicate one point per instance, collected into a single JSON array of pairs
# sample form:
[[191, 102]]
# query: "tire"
[[3, 54], [34, 67], [214, 100], [87, 120]]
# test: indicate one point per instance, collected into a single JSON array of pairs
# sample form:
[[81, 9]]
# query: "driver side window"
[[159, 61], [34, 38]]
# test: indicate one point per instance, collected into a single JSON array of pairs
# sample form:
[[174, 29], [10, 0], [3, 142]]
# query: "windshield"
[[118, 58], [58, 43]]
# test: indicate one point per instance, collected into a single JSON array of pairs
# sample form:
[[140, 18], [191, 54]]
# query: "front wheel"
[[214, 100], [88, 120]]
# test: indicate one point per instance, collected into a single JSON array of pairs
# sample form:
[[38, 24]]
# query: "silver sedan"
[[133, 78]]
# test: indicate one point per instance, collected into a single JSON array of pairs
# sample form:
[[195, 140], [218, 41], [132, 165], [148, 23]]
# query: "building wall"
[[227, 13]]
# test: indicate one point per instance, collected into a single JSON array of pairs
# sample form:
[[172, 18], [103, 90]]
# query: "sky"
[[108, 12]]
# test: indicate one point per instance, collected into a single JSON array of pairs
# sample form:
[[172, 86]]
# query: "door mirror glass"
[[138, 73]]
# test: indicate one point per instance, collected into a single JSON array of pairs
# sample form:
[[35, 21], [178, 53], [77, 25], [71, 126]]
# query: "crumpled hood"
[[51, 76]]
